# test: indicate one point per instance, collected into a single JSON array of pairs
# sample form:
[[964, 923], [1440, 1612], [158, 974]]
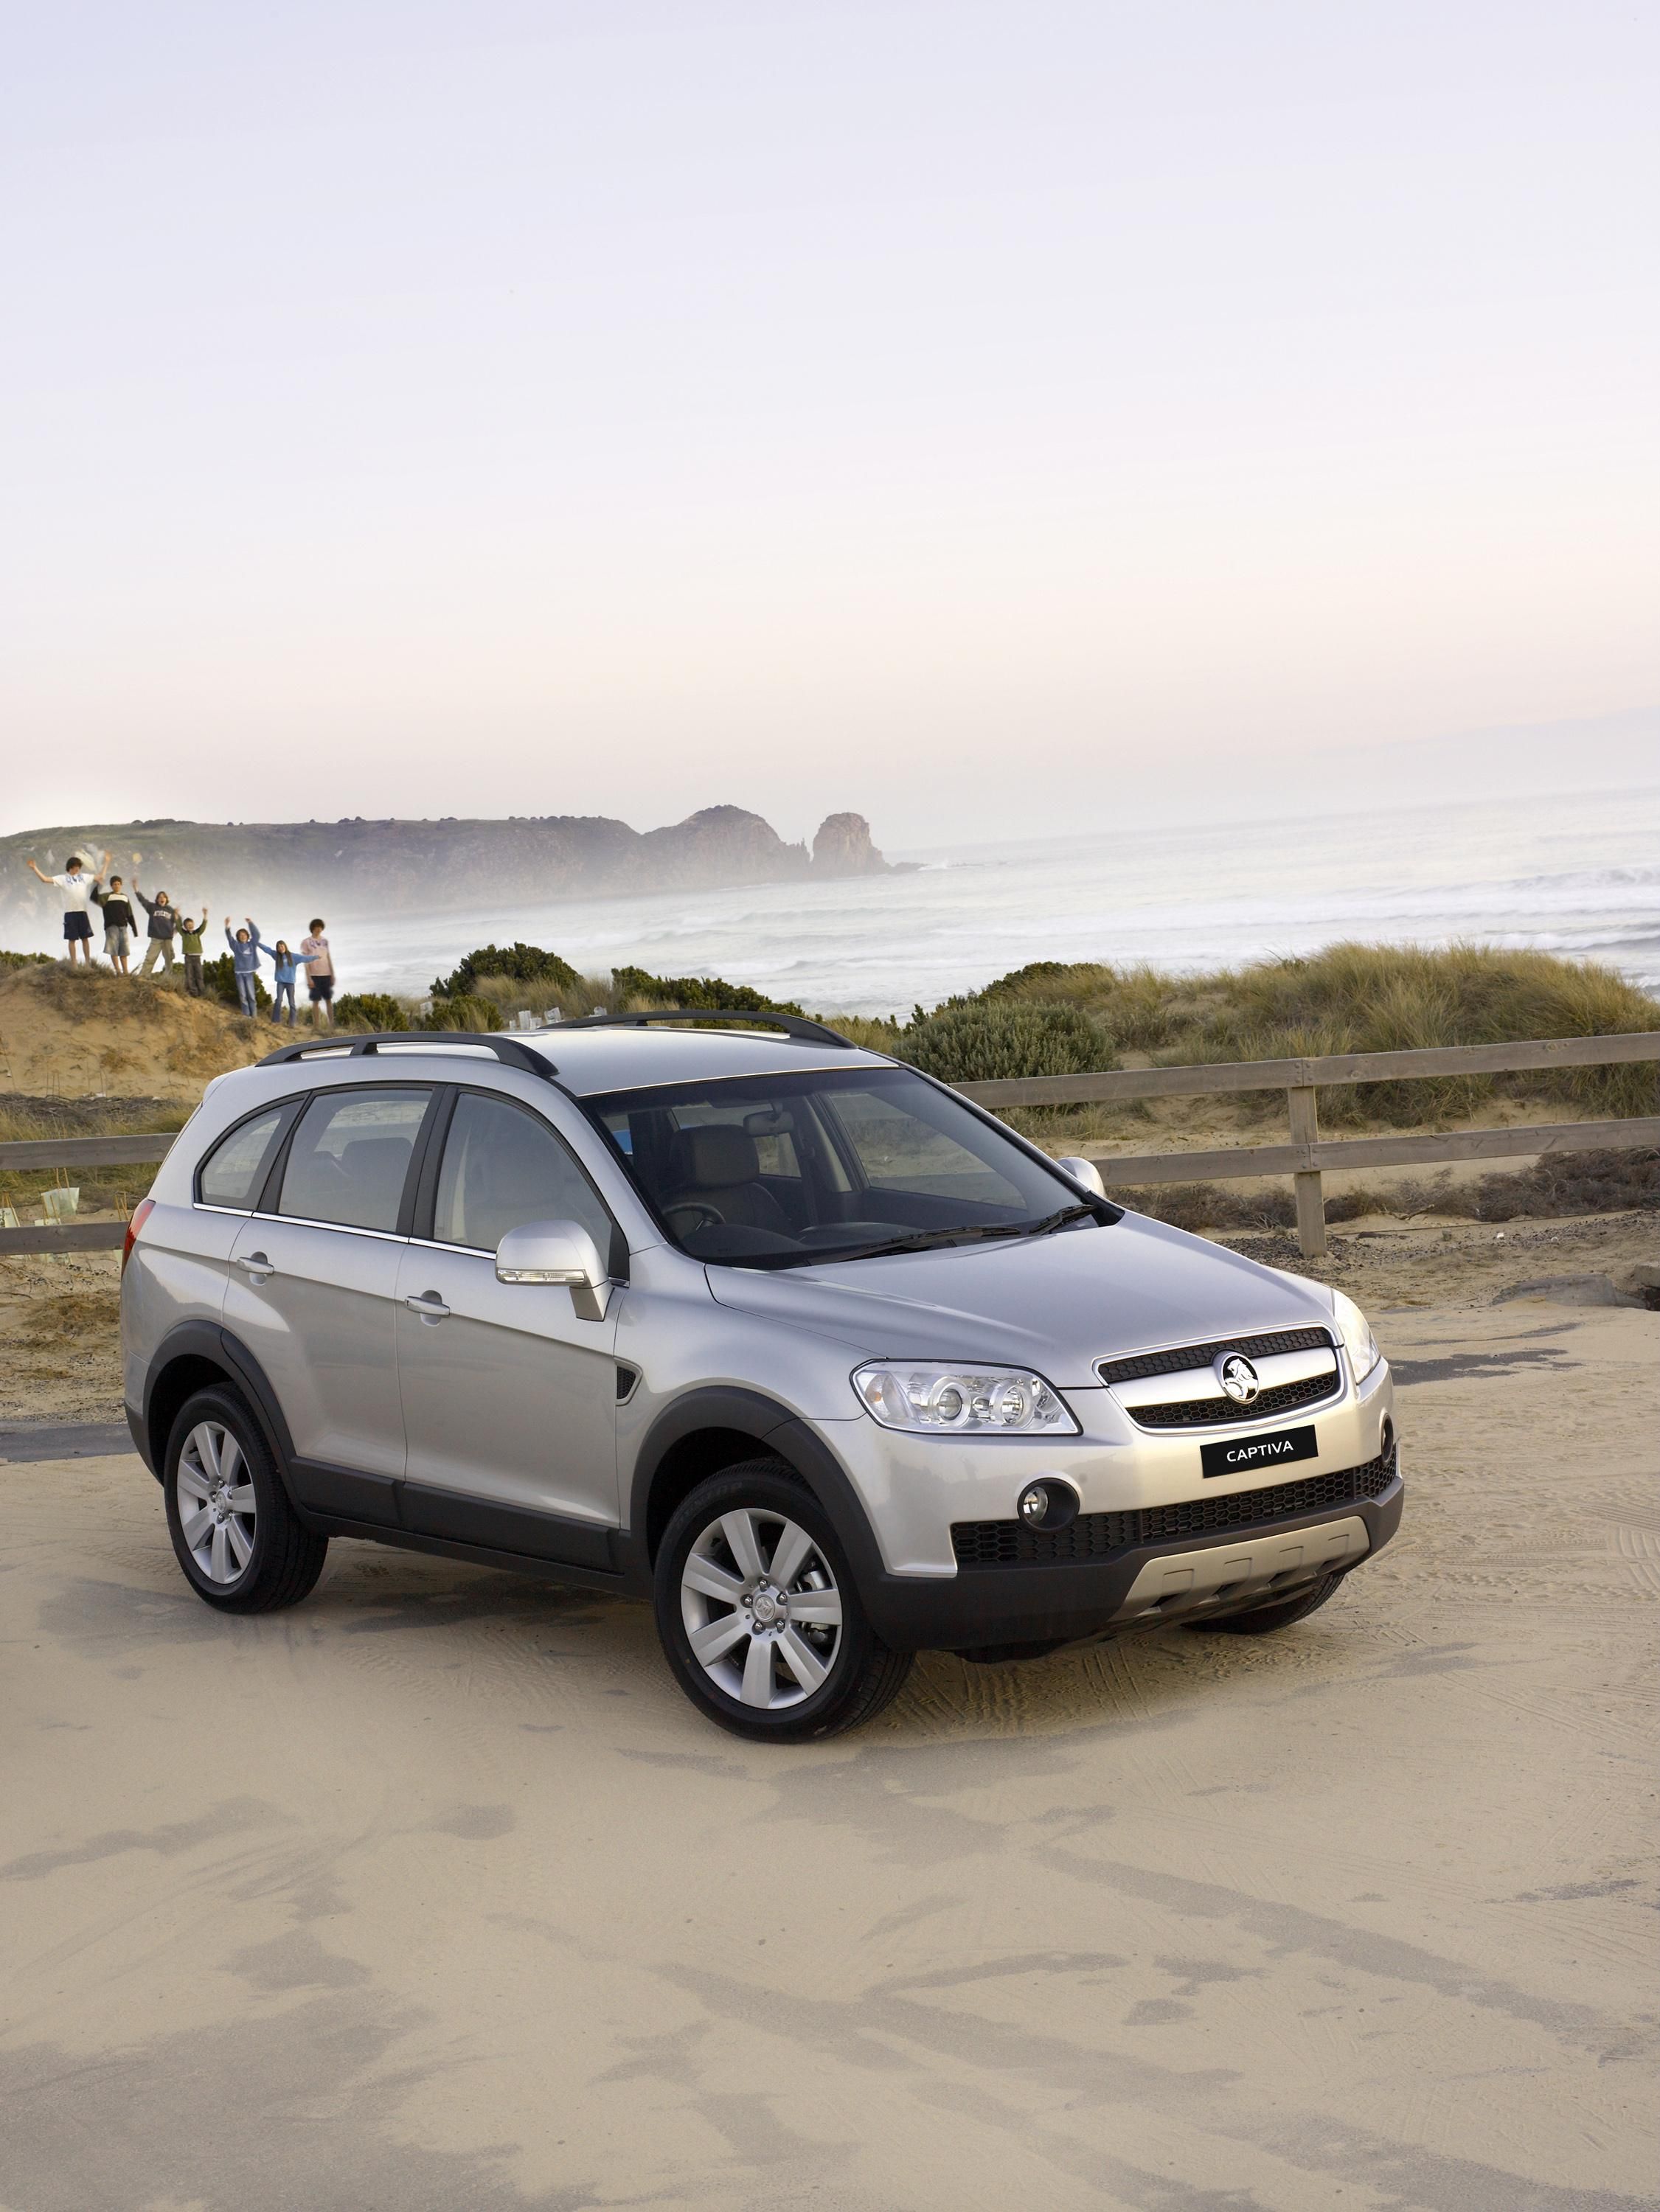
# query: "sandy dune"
[[99, 1033], [433, 1893]]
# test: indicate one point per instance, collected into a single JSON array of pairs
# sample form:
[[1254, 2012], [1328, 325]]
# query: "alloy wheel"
[[217, 1506], [761, 1607]]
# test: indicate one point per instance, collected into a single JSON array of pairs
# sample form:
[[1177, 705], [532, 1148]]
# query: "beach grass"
[[1364, 997]]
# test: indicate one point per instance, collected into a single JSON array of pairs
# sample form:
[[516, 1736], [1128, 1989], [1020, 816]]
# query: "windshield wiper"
[[925, 1239], [1051, 1222]]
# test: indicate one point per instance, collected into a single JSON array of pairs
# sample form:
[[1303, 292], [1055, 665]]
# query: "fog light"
[[1049, 1504]]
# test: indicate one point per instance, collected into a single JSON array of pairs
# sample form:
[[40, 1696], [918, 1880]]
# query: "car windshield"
[[791, 1170]]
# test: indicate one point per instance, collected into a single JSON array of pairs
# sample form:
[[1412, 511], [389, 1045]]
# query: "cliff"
[[342, 869]]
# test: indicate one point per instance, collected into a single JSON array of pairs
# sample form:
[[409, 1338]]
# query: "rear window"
[[234, 1173], [350, 1157]]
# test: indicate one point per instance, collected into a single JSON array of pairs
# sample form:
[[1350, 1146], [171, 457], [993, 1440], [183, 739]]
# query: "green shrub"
[[24, 960], [219, 980], [462, 1011], [698, 994], [526, 964], [370, 1009], [982, 1043]]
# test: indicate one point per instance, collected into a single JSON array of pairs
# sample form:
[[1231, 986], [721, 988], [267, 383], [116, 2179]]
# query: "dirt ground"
[[435, 1893]]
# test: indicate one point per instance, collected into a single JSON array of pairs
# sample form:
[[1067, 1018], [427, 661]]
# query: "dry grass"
[[37, 1119], [1561, 1186], [60, 1322], [1368, 998], [587, 996]]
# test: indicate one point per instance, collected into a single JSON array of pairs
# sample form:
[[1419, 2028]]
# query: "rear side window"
[[503, 1167], [350, 1157], [233, 1172]]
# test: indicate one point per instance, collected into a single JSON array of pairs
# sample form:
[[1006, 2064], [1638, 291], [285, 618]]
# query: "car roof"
[[589, 1061], [586, 1062]]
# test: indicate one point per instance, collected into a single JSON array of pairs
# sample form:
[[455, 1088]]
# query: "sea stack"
[[843, 847]]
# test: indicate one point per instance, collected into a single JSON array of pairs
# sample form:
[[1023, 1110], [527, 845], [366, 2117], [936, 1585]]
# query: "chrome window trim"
[[341, 1228]]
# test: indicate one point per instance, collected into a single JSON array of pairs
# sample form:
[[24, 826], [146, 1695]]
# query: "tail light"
[[141, 1214]]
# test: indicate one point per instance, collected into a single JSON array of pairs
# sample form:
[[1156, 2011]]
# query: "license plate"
[[1250, 1454]]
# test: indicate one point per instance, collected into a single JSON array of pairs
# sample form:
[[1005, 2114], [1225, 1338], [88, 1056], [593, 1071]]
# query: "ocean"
[[1579, 876]]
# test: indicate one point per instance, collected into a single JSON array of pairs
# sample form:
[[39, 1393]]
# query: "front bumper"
[[1140, 1586]]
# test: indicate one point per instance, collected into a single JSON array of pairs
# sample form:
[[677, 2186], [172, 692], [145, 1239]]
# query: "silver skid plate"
[[1228, 1572]]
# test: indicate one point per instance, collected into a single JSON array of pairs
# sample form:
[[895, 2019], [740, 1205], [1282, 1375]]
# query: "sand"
[[83, 1032], [435, 1893]]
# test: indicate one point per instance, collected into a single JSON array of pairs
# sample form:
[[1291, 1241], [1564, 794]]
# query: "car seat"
[[720, 1166]]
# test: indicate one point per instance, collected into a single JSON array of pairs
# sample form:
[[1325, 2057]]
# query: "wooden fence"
[[1304, 1158]]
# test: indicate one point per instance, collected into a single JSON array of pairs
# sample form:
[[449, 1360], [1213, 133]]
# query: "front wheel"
[[241, 1544], [758, 1614]]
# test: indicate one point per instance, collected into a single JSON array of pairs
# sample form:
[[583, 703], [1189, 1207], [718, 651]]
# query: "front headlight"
[[954, 1401], [1358, 1340]]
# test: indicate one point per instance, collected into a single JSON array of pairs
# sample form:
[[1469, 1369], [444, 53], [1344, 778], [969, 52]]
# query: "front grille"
[[1100, 1535], [1186, 1357], [1202, 1413]]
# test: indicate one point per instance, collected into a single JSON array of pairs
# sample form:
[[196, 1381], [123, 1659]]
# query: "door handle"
[[257, 1266], [428, 1305]]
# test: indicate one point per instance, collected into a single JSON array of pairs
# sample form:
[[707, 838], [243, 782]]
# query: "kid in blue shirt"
[[288, 965], [245, 963]]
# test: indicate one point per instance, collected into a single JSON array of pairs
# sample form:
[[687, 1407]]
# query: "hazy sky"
[[974, 415]]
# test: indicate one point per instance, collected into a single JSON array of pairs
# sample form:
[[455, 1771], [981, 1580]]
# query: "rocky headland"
[[359, 866]]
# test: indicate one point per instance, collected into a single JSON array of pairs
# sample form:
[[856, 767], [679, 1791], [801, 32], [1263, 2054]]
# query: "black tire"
[[863, 1674], [284, 1558], [1263, 1620]]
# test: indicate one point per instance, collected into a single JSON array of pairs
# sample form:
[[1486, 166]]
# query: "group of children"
[[314, 955], [82, 891]]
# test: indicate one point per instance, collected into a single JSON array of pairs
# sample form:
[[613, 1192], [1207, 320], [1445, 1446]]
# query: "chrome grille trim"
[[1297, 1369], [1182, 1357]]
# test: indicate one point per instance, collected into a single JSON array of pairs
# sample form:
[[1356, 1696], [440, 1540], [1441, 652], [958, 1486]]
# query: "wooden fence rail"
[[140, 1150], [1306, 1158]]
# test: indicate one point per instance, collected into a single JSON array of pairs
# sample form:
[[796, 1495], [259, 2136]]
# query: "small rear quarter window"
[[234, 1173]]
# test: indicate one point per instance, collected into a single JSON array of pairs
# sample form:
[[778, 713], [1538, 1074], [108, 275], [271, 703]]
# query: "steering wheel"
[[706, 1216]]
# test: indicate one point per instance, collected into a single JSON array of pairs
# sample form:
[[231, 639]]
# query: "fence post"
[[1311, 1201]]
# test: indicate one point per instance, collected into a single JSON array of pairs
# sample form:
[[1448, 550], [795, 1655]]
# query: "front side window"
[[502, 1169], [900, 1146], [350, 1157], [778, 1171], [234, 1173]]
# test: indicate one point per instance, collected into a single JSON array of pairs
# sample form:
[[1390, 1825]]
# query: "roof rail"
[[512, 1051], [796, 1026]]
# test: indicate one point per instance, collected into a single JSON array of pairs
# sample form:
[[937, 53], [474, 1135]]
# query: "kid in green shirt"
[[189, 943]]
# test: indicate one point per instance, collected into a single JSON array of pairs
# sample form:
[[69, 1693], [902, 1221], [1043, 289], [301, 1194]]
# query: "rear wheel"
[[758, 1614], [1263, 1620], [241, 1544]]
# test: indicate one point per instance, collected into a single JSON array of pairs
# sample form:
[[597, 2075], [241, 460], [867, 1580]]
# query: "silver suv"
[[827, 1363]]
